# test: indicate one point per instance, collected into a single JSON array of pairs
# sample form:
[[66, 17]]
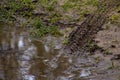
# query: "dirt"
[[100, 65], [52, 62], [108, 39]]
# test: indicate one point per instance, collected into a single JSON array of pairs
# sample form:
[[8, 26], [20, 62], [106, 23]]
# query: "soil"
[[108, 39], [101, 65]]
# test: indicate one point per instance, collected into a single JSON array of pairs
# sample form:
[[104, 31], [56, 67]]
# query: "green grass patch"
[[108, 52], [41, 30]]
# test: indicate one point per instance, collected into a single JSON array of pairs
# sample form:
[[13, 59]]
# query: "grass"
[[40, 30], [55, 17], [65, 41], [13, 9], [112, 65], [24, 8], [108, 52], [68, 5], [115, 18], [92, 46], [92, 2], [48, 5]]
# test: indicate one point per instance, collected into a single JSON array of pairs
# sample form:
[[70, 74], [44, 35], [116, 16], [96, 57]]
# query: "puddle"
[[22, 58]]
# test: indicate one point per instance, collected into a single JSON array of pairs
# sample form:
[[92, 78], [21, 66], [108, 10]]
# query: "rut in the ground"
[[80, 37]]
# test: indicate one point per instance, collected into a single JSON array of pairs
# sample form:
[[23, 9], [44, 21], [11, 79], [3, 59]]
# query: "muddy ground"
[[101, 64], [45, 58], [25, 58]]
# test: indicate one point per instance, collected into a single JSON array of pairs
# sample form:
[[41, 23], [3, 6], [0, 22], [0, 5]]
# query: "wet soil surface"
[[24, 58]]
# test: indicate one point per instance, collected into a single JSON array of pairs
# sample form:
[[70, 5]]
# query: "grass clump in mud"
[[48, 5], [54, 11], [10, 9], [40, 30], [108, 52], [65, 41], [55, 17], [92, 46], [115, 18], [25, 8]]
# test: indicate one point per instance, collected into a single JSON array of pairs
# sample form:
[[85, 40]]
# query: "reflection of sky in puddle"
[[25, 58], [20, 43], [48, 65], [85, 73], [16, 40], [47, 49], [29, 77]]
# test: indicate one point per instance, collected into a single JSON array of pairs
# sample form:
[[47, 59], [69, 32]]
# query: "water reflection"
[[12, 40], [25, 63], [17, 53], [47, 49], [5, 45], [20, 43], [24, 59]]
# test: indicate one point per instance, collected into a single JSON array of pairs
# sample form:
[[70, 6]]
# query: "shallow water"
[[24, 58]]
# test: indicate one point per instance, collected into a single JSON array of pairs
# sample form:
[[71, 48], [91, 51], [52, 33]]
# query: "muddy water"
[[23, 58]]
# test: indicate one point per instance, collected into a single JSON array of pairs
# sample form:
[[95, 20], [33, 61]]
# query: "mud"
[[25, 58]]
